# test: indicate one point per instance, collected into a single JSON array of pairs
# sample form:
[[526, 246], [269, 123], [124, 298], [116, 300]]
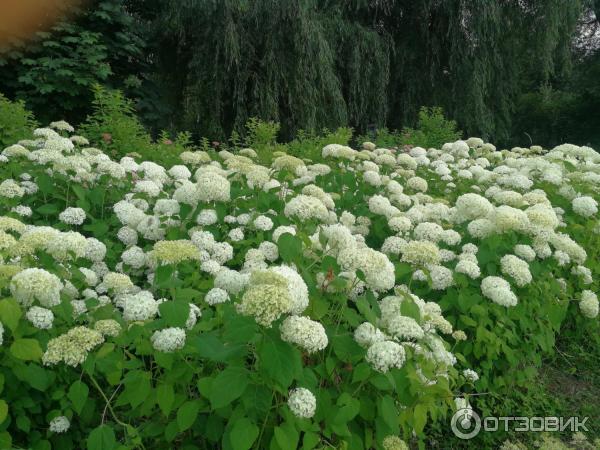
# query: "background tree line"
[[508, 71]]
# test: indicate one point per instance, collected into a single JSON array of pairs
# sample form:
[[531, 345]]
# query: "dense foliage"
[[54, 71], [502, 70], [351, 301], [358, 62], [16, 121]]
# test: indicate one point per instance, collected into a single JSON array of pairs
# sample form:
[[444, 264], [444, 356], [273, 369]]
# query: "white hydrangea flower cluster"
[[386, 355], [41, 318], [168, 340], [589, 304], [60, 424], [516, 268], [72, 216], [304, 332], [498, 290], [36, 284], [302, 403]]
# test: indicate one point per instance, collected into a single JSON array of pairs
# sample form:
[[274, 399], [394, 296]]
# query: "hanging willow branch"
[[311, 64]]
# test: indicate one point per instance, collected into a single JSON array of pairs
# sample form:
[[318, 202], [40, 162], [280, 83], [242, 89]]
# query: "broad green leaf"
[[409, 308], [10, 313], [49, 208], [279, 360], [165, 398], [79, 191], [163, 275], [310, 440], [361, 372], [346, 348], [290, 247], [98, 228], [3, 410], [102, 438], [5, 440], [208, 345], [243, 434], [286, 436], [420, 418], [78, 394], [137, 388], [35, 375], [45, 183], [187, 294], [23, 423], [187, 414], [348, 408], [26, 349], [388, 412], [174, 313], [228, 386], [330, 263]]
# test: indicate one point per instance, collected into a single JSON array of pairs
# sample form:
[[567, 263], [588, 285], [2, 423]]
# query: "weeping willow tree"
[[297, 62], [324, 63], [474, 57]]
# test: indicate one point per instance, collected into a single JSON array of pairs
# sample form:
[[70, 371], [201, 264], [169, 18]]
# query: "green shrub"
[[433, 129], [16, 122], [309, 145], [261, 135], [113, 126], [166, 151], [54, 70], [382, 137]]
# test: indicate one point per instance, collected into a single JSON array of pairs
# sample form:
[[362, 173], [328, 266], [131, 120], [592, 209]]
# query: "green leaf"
[[23, 423], [345, 347], [409, 308], [280, 361], [79, 191], [388, 412], [165, 398], [239, 329], [78, 394], [365, 309], [209, 346], [163, 275], [174, 313], [468, 321], [35, 375], [3, 410], [228, 385], [102, 438], [5, 440], [290, 247], [286, 436], [243, 434], [187, 414], [137, 388], [47, 209], [26, 349], [361, 372], [310, 440], [330, 263], [98, 228], [10, 313], [45, 183], [420, 418], [187, 294]]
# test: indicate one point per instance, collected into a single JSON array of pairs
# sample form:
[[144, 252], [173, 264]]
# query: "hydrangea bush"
[[221, 303]]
